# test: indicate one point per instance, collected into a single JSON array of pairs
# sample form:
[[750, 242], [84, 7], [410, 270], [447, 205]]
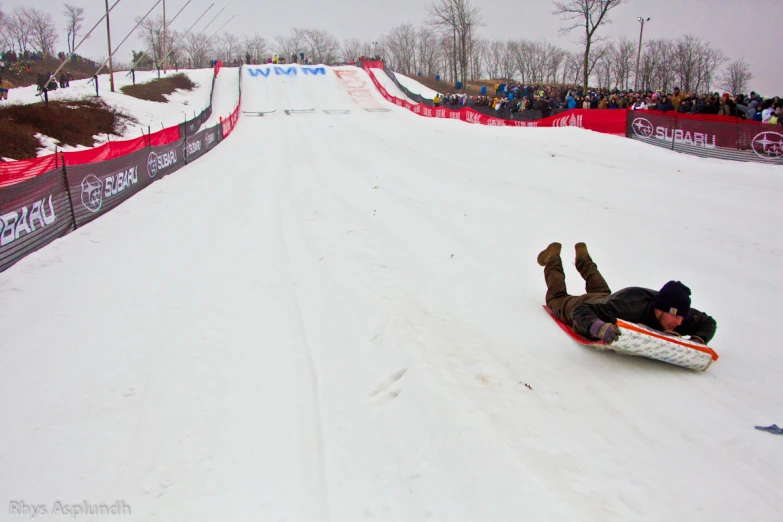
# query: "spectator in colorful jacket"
[[767, 110], [677, 98]]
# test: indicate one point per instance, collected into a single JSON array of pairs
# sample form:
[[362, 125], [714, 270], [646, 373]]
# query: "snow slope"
[[416, 87], [181, 104], [389, 85], [347, 332], [225, 96]]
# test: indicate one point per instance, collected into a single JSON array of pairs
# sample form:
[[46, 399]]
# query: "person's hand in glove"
[[606, 332]]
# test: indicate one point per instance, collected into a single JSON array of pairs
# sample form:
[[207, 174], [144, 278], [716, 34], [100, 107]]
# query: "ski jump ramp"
[[299, 89]]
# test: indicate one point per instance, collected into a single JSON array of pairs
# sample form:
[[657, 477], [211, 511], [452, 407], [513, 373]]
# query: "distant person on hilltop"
[[594, 313]]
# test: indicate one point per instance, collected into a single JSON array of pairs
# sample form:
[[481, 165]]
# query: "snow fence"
[[704, 135], [68, 190]]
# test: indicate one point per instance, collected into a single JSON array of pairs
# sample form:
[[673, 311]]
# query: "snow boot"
[[553, 250], [581, 251]]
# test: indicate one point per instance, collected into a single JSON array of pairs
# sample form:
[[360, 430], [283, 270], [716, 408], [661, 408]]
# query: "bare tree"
[[401, 44], [227, 47], [426, 51], [604, 69], [522, 51], [555, 57], [291, 44], [151, 33], [318, 46], [508, 65], [589, 15], [573, 68], [599, 51], [685, 61], [447, 54], [708, 61], [736, 77], [255, 46], [197, 48], [494, 52], [351, 50], [43, 31], [321, 46], [475, 53], [656, 68], [623, 61], [695, 62], [5, 39], [74, 16], [538, 60], [460, 19], [19, 29]]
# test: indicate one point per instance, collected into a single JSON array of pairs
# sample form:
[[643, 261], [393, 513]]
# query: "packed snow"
[[225, 97], [338, 317], [388, 84], [416, 87]]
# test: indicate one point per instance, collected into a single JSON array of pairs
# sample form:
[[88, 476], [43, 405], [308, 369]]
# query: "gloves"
[[606, 332]]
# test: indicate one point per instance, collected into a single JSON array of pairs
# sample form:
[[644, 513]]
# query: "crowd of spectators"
[[512, 98], [13, 63]]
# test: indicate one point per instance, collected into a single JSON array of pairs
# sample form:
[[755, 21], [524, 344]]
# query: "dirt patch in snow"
[[72, 122], [158, 88]]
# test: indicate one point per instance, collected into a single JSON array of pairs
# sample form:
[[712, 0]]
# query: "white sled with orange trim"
[[639, 340]]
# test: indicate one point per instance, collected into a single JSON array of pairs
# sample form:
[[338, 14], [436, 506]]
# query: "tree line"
[[446, 44]]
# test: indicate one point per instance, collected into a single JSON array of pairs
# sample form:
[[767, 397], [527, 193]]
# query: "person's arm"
[[698, 324]]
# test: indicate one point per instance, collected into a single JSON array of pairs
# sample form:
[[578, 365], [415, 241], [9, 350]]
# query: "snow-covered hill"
[[337, 317]]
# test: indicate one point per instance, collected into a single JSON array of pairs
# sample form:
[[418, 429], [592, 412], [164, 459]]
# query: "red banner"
[[708, 135], [610, 121], [231, 121], [12, 172], [15, 171]]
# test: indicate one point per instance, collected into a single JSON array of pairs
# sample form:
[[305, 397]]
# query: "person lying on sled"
[[592, 314]]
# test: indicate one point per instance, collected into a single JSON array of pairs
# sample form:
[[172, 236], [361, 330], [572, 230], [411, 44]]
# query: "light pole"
[[639, 56]]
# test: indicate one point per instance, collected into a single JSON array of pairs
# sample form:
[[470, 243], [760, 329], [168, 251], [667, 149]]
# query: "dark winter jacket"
[[635, 305]]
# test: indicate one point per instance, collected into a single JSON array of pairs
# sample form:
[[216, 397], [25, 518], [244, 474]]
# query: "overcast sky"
[[740, 28]]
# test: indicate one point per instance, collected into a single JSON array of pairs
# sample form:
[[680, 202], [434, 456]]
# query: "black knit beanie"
[[673, 298]]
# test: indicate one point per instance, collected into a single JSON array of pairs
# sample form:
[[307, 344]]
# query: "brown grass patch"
[[72, 122], [156, 89]]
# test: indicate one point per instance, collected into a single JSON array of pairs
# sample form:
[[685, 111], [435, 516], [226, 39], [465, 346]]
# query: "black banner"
[[194, 146], [165, 159], [212, 136], [97, 188], [192, 126], [33, 213], [418, 98], [732, 138]]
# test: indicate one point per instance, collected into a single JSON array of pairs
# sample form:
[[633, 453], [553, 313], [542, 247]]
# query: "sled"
[[289, 112], [639, 340], [257, 113]]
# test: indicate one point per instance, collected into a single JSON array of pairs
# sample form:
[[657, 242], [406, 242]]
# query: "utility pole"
[[165, 41], [639, 56], [108, 37]]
